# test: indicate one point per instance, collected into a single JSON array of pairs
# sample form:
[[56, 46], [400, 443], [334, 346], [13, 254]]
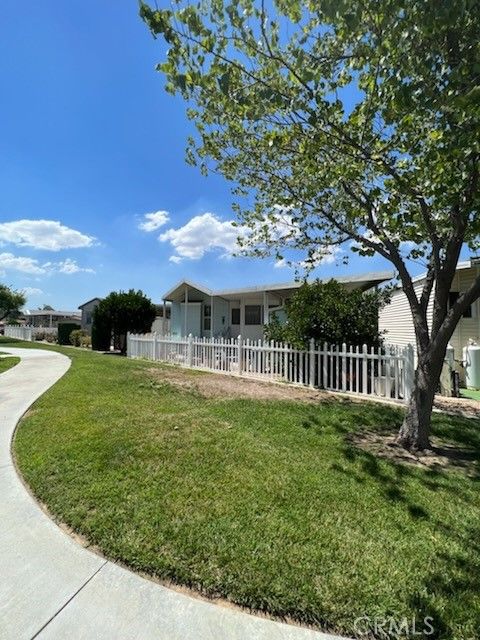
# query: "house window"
[[207, 317], [235, 316], [253, 314], [452, 298], [88, 319]]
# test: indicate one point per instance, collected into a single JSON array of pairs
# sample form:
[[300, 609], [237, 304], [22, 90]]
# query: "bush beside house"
[[329, 312], [80, 338]]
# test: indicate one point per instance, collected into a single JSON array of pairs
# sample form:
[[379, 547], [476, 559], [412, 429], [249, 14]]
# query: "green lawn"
[[263, 503], [11, 341], [8, 363], [470, 393]]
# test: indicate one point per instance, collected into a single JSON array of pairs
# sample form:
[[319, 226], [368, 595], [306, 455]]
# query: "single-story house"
[[87, 309], [396, 322], [228, 313], [49, 318]]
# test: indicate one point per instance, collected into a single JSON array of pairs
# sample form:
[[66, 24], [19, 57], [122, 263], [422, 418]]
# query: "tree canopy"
[[355, 119], [328, 312], [352, 124], [119, 313], [10, 302]]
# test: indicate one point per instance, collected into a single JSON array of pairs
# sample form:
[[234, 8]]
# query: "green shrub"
[[64, 331], [77, 337], [44, 336], [86, 342], [101, 334], [329, 312]]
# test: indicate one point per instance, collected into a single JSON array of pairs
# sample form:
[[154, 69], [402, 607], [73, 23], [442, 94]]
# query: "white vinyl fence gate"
[[386, 372]]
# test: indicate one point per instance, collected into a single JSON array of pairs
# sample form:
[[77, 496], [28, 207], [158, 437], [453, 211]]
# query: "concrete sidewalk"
[[51, 587]]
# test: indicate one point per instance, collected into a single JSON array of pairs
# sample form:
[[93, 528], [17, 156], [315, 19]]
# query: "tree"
[[345, 121], [46, 307], [119, 313], [329, 312], [10, 302]]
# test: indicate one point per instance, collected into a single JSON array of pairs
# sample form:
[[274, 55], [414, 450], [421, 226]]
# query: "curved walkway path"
[[53, 588]]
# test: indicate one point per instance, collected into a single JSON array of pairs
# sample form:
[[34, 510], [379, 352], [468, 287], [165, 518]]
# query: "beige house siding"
[[87, 314], [396, 321], [467, 328]]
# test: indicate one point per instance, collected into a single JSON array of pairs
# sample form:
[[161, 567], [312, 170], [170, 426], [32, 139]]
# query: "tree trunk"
[[414, 433]]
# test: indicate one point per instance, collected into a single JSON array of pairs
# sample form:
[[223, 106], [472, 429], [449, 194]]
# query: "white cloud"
[[70, 266], [49, 235], [32, 291], [153, 221], [201, 234], [9, 262], [31, 266], [281, 264]]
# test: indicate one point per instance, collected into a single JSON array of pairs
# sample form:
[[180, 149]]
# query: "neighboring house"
[[396, 320], [49, 318], [87, 309], [198, 310]]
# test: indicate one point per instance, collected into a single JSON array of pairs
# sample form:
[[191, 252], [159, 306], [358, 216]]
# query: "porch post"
[[265, 307], [211, 316], [242, 316], [186, 308]]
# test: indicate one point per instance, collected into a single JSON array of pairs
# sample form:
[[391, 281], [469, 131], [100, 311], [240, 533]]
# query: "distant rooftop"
[[50, 312], [80, 306]]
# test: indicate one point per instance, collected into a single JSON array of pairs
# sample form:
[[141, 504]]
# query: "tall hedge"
[[64, 331], [101, 333], [119, 313]]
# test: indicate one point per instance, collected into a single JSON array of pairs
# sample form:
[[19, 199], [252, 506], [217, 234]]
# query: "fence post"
[[325, 366], [409, 376], [311, 362], [365, 369], [240, 355], [189, 350], [129, 346]]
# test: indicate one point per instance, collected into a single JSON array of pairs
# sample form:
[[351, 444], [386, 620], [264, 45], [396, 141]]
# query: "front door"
[[191, 321]]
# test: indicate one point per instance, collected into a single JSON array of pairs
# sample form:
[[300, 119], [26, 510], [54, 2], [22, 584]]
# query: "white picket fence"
[[19, 332], [386, 372], [27, 333]]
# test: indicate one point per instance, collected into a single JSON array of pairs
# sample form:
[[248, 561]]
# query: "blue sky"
[[90, 143]]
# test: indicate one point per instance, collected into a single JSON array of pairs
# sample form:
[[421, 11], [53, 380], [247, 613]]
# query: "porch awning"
[[196, 292]]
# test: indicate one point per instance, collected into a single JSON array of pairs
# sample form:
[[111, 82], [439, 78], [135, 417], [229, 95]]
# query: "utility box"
[[446, 376], [471, 362]]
